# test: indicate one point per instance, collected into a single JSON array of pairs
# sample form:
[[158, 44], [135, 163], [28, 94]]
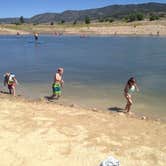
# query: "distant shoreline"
[[142, 28]]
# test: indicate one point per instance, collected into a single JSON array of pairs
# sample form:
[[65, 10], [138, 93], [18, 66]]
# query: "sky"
[[29, 8]]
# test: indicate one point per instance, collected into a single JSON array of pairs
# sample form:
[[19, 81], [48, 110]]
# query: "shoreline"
[[142, 28], [89, 35], [77, 105], [40, 133]]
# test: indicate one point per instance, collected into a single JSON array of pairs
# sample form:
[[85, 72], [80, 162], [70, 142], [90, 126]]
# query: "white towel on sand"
[[110, 161]]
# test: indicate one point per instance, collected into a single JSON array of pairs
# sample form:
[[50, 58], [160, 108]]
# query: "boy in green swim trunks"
[[57, 84]]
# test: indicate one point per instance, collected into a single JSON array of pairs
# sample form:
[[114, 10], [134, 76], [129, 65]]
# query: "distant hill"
[[113, 11], [12, 20]]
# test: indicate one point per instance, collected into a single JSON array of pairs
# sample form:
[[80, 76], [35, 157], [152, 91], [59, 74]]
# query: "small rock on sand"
[[143, 117], [72, 105], [94, 109]]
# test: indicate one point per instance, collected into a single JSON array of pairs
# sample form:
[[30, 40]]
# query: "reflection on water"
[[96, 69]]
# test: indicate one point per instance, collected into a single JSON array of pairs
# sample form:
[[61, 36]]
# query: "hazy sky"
[[28, 8]]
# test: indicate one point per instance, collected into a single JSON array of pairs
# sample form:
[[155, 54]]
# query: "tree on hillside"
[[22, 20], [100, 19], [87, 20], [51, 23], [134, 17], [140, 16], [131, 17], [35, 23], [106, 19], [153, 17], [111, 20], [75, 22], [62, 21]]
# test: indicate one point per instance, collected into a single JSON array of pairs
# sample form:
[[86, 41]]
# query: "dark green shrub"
[[153, 17], [87, 20], [75, 22], [21, 20]]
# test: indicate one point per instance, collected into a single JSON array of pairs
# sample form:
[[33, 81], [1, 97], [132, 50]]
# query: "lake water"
[[95, 69]]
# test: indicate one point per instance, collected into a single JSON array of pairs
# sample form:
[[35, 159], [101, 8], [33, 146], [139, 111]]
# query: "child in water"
[[130, 88], [11, 81], [57, 84], [36, 36]]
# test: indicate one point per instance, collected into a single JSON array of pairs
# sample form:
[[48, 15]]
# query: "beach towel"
[[110, 161]]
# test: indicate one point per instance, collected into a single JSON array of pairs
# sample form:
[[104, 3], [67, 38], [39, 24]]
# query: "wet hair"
[[60, 69], [131, 81]]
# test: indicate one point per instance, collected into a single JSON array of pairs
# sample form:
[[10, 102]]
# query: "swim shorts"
[[56, 87]]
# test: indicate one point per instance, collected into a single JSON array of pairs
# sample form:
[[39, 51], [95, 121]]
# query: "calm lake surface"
[[96, 69]]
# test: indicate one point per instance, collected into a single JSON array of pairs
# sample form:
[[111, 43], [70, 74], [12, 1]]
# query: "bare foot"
[[130, 113], [125, 111]]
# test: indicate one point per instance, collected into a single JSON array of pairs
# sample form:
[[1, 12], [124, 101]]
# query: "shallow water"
[[96, 69]]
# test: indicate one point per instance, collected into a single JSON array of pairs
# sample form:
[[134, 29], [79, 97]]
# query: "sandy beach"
[[116, 28], [8, 31], [38, 132]]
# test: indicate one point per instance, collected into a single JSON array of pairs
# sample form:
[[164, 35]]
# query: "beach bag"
[[110, 161]]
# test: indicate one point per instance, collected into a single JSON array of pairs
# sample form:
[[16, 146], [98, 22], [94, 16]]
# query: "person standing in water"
[[130, 88], [36, 36], [57, 84], [11, 81]]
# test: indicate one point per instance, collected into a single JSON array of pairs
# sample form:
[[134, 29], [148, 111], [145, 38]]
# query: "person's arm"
[[126, 88], [15, 80], [62, 83], [4, 82], [137, 88]]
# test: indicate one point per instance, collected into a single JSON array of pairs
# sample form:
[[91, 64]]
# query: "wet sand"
[[38, 132]]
